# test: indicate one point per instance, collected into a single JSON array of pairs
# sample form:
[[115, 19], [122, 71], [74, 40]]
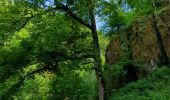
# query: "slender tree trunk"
[[96, 48], [98, 68], [97, 64]]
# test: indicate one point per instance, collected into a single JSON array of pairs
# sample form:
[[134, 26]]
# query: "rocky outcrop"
[[143, 41], [164, 27], [113, 50]]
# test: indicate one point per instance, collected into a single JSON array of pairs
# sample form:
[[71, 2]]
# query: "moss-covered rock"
[[114, 50], [143, 41], [142, 48]]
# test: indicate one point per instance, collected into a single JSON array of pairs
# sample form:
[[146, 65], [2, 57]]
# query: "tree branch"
[[25, 23], [22, 78], [59, 6], [15, 87], [32, 16], [60, 56], [78, 57], [71, 14]]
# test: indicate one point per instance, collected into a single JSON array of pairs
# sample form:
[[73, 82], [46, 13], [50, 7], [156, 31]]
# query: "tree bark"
[[97, 64], [97, 59]]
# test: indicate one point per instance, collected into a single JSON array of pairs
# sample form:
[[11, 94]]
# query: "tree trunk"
[[98, 67], [97, 64], [100, 88], [96, 50]]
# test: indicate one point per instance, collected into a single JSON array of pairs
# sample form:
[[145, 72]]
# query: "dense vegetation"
[[154, 87], [55, 50]]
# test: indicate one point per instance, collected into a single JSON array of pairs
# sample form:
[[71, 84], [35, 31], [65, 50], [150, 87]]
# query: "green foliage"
[[113, 16], [26, 46], [74, 85], [82, 86], [153, 87], [113, 75], [34, 35], [117, 15], [141, 7], [103, 41], [68, 83], [53, 36]]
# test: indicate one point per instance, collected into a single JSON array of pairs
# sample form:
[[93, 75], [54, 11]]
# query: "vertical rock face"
[[164, 27], [143, 45], [113, 51], [143, 41]]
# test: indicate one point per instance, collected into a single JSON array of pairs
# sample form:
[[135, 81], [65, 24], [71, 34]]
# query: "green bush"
[[71, 85], [154, 87]]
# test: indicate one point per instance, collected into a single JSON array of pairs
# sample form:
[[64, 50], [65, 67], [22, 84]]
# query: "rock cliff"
[[143, 41], [146, 41]]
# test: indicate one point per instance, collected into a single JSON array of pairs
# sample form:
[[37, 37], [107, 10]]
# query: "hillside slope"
[[155, 86]]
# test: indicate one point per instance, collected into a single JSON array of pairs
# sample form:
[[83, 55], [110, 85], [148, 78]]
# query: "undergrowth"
[[155, 86]]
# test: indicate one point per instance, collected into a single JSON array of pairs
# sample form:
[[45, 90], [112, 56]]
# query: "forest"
[[84, 49]]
